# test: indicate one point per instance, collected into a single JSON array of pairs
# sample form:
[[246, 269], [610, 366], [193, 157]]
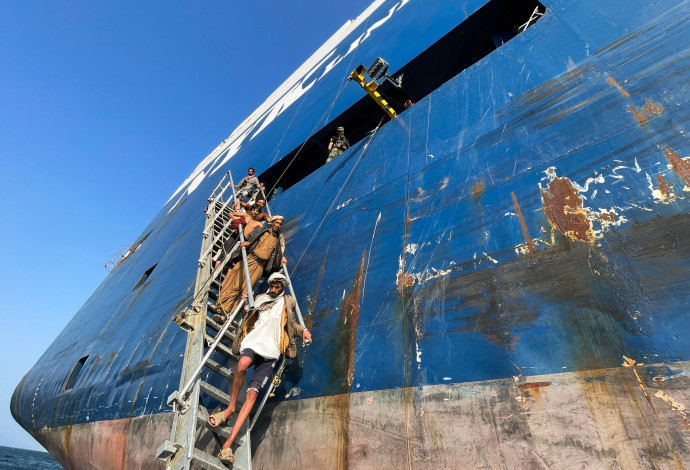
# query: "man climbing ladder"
[[264, 335], [265, 247]]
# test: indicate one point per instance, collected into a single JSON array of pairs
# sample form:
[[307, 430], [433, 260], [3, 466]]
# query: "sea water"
[[22, 459]]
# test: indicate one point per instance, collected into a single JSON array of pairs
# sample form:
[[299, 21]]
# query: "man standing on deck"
[[264, 334], [338, 144], [265, 247]]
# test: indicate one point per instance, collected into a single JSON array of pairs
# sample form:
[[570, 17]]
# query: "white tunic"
[[264, 339]]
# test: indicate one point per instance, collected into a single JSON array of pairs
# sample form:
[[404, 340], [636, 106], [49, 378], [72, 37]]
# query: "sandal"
[[219, 418], [226, 456], [219, 318]]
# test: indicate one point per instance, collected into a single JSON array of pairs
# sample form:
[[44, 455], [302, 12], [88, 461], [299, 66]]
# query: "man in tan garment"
[[265, 247]]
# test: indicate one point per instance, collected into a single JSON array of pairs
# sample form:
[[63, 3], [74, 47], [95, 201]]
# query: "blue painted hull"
[[527, 218]]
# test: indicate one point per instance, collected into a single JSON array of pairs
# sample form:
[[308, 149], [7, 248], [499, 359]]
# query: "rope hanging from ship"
[[335, 199], [275, 185]]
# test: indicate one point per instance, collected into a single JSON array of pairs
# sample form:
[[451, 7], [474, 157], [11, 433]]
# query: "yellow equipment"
[[370, 87]]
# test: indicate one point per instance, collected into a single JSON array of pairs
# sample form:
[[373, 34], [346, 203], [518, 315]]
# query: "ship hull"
[[556, 421], [498, 278]]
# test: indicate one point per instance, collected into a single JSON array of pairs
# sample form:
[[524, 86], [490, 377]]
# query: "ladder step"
[[219, 369], [223, 431], [223, 349], [214, 325], [214, 392], [208, 461]]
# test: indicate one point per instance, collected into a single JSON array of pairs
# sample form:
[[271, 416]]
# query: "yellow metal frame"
[[370, 87]]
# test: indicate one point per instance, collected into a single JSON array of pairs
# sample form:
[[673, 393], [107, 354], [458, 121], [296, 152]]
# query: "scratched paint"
[[443, 277], [622, 91]]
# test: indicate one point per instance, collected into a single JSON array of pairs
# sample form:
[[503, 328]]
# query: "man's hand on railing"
[[306, 337], [284, 260], [245, 244]]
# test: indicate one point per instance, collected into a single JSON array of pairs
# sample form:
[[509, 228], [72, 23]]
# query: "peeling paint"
[[648, 110], [679, 407], [563, 208], [662, 193], [411, 248]]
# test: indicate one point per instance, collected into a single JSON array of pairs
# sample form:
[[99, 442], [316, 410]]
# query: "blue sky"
[[105, 108]]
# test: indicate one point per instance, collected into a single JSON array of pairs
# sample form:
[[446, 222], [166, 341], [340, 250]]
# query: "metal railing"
[[240, 229], [180, 398]]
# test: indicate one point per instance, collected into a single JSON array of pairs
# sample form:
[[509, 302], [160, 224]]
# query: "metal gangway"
[[191, 433]]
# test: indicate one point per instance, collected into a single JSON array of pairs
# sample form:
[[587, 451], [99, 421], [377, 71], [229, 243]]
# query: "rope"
[[328, 111], [307, 139], [354, 167]]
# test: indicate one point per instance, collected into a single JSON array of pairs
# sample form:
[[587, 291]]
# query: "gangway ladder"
[[189, 413], [243, 456]]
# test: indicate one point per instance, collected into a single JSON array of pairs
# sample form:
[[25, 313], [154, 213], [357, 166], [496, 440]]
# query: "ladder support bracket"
[[175, 398], [167, 450]]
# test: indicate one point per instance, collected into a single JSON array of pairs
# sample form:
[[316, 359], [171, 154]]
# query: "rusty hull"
[[558, 421]]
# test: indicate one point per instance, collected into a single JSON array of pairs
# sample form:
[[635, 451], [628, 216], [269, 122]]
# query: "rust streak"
[[531, 385], [351, 309], [404, 281], [563, 208], [404, 293], [478, 187], [641, 117], [620, 88], [523, 224], [679, 165], [532, 389]]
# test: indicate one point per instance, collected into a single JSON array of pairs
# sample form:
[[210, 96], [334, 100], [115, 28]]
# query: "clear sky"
[[106, 106]]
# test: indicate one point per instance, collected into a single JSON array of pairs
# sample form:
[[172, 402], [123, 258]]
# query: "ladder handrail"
[[220, 195], [213, 193], [216, 214], [250, 294], [224, 206], [211, 349]]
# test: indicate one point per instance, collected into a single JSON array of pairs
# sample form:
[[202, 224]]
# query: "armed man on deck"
[[338, 144]]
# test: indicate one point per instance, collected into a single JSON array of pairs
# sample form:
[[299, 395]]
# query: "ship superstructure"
[[495, 278]]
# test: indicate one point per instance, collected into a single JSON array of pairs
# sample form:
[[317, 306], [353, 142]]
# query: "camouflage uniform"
[[340, 144]]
